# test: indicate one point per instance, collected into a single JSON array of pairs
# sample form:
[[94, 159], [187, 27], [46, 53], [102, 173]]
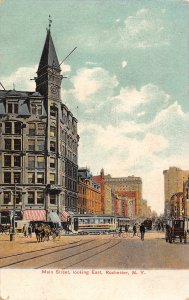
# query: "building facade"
[[39, 142], [174, 179], [122, 185], [89, 196]]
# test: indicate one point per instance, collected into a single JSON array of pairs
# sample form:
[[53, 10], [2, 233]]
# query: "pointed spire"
[[49, 57]]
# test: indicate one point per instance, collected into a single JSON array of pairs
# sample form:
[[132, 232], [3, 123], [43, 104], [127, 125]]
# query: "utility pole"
[[12, 232]]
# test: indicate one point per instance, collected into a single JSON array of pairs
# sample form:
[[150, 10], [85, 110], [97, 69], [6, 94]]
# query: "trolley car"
[[93, 224], [123, 221], [176, 229]]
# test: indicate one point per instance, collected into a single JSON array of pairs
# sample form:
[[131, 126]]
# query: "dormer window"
[[12, 108], [36, 109]]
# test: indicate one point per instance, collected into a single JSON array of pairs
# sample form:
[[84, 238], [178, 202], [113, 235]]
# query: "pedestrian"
[[142, 231], [134, 230], [120, 231], [30, 231], [25, 231], [126, 229]]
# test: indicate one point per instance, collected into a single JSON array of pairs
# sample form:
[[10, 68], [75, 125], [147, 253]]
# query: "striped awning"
[[65, 216], [34, 215]]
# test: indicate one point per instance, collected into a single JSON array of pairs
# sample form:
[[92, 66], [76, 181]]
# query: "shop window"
[[17, 161], [7, 177], [40, 177], [31, 198], [52, 178], [8, 143], [52, 199], [8, 127], [7, 197], [31, 162], [7, 160], [31, 177], [32, 129], [52, 131], [17, 128], [31, 145], [52, 146], [17, 144], [41, 129], [40, 162], [40, 198], [52, 162], [17, 177]]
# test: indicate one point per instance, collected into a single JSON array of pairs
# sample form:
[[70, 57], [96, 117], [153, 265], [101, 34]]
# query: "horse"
[[42, 232]]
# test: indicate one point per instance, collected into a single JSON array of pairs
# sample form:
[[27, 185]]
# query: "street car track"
[[33, 251], [42, 255], [81, 252]]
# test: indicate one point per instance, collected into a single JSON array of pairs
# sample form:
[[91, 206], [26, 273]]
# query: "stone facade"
[[174, 179], [120, 185], [39, 142]]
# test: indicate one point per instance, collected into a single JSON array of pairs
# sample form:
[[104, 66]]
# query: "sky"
[[127, 81]]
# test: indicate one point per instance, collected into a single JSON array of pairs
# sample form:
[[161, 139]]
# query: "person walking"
[[142, 231], [120, 231], [126, 229], [25, 230], [30, 231], [134, 230]]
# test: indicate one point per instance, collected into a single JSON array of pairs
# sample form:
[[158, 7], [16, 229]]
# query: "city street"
[[94, 252]]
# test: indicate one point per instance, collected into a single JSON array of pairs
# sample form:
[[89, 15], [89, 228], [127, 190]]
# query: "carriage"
[[176, 229]]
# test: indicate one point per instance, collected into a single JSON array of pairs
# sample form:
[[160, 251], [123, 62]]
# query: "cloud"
[[93, 83], [65, 68], [142, 30], [21, 79], [124, 64]]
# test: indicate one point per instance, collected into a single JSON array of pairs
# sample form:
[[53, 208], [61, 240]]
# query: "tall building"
[[174, 179], [39, 142], [122, 185]]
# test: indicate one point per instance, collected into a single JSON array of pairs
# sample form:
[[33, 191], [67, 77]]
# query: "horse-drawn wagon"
[[177, 229]]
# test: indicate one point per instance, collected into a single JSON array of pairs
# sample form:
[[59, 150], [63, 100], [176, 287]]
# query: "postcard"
[[94, 137]]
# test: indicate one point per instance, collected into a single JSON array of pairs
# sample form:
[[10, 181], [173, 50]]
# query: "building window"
[[40, 198], [7, 197], [17, 161], [41, 129], [31, 177], [53, 199], [52, 162], [36, 109], [17, 128], [40, 177], [18, 198], [8, 144], [31, 198], [8, 127], [40, 162], [53, 111], [31, 145], [12, 108], [7, 177], [52, 146], [31, 162], [52, 131], [17, 177], [7, 160], [32, 129], [17, 144], [52, 178], [40, 145]]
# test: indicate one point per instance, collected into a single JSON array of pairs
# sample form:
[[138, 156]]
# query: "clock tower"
[[48, 80]]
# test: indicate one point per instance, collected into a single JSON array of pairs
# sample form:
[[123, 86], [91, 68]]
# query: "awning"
[[54, 217], [34, 215], [65, 215]]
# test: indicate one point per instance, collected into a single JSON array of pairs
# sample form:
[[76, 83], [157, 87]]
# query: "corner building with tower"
[[38, 146]]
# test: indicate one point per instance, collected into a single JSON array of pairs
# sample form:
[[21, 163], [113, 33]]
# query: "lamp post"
[[12, 232]]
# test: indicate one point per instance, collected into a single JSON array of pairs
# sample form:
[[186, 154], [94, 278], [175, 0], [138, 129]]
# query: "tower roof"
[[49, 57]]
